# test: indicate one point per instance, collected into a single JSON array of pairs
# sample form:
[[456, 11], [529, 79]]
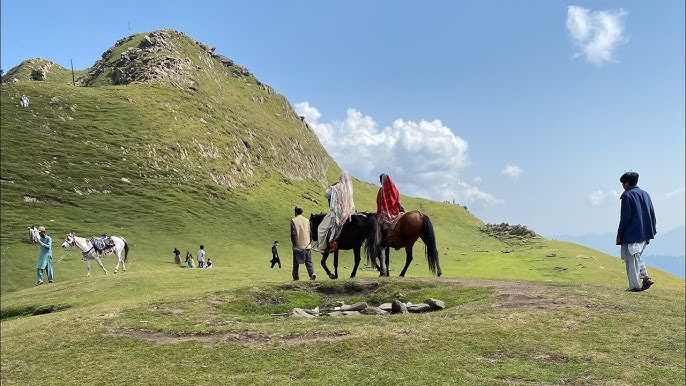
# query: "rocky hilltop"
[[203, 118]]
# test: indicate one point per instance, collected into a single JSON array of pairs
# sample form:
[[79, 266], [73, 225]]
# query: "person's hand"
[[618, 242]]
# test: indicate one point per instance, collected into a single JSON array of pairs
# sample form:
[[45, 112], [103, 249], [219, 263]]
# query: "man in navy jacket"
[[636, 229]]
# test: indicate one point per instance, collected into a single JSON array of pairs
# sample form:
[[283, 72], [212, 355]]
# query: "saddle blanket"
[[100, 243]]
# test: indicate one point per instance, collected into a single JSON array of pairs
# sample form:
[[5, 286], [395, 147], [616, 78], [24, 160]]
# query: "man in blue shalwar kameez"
[[44, 256]]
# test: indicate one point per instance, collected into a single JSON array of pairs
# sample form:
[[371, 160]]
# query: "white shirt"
[[201, 255]]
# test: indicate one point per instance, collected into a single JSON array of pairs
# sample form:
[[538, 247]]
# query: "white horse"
[[89, 253], [33, 234]]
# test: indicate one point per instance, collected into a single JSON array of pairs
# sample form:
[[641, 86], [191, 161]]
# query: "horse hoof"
[[115, 271], [332, 276], [88, 275]]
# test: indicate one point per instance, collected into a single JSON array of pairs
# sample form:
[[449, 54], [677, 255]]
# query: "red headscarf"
[[387, 200]]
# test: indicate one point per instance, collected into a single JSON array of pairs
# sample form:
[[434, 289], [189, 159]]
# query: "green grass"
[[212, 166]]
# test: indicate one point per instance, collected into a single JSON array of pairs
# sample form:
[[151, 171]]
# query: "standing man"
[[636, 229], [201, 257], [275, 254], [44, 256], [300, 238]]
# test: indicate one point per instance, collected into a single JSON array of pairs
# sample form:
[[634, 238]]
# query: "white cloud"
[[676, 193], [512, 171], [598, 197], [424, 158], [597, 33]]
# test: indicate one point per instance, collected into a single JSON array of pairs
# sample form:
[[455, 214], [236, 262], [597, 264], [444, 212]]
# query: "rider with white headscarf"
[[341, 206]]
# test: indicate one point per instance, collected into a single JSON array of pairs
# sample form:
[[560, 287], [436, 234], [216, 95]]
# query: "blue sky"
[[526, 112]]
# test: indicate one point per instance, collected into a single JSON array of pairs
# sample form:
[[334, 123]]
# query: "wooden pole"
[[73, 80]]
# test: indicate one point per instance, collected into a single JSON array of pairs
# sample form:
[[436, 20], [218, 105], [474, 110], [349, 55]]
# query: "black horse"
[[410, 227], [359, 229]]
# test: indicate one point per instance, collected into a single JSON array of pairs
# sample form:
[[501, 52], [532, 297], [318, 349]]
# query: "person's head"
[[629, 179], [276, 242], [298, 210], [202, 247], [381, 177], [41, 230]]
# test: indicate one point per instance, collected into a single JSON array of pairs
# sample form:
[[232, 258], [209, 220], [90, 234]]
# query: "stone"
[[421, 307], [371, 310], [354, 307], [398, 307], [435, 304], [299, 312]]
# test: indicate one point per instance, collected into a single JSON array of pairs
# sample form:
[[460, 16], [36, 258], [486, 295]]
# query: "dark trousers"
[[275, 260], [302, 257]]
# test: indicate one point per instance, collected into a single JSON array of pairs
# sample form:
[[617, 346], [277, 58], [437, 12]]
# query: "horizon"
[[524, 113]]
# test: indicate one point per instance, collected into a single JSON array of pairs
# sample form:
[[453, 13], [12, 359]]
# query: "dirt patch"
[[244, 338], [516, 295]]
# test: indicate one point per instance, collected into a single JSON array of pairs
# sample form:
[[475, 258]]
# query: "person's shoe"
[[647, 282], [633, 289], [313, 277], [50, 282], [39, 283]]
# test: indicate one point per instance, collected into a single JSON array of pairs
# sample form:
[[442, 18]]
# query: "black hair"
[[298, 210], [276, 241], [630, 177], [202, 246]]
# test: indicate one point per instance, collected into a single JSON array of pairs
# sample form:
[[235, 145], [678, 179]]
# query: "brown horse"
[[410, 227]]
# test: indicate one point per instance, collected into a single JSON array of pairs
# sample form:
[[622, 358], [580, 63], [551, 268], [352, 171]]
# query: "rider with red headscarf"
[[388, 206]]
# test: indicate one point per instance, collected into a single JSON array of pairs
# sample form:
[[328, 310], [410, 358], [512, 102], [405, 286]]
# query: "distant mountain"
[[666, 252]]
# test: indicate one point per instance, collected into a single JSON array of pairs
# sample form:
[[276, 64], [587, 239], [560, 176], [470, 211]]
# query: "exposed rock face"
[[159, 57], [29, 67]]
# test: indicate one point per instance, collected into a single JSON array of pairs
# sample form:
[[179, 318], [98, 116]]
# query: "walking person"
[[177, 256], [44, 256], [637, 226], [300, 238], [275, 255], [201, 257]]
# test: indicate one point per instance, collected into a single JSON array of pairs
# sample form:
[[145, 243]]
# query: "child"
[[189, 259], [275, 255], [209, 263]]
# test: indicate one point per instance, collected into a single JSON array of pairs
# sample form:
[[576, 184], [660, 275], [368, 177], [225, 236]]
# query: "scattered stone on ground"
[[362, 308]]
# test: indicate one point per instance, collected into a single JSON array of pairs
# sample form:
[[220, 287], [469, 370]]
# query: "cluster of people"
[[24, 101], [341, 206], [637, 226], [202, 263]]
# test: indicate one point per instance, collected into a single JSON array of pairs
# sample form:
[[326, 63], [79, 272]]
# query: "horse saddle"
[[103, 242]]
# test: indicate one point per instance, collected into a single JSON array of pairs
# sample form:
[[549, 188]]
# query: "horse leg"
[[323, 262], [356, 252], [119, 261], [387, 251], [408, 259], [100, 264], [88, 267], [335, 264]]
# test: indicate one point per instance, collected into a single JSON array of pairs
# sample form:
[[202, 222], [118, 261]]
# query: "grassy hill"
[[168, 144]]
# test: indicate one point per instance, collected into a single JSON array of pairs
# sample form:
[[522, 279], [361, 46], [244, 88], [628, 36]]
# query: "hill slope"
[[168, 144]]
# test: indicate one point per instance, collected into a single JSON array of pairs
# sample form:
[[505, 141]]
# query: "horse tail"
[[429, 239], [371, 246], [126, 251]]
